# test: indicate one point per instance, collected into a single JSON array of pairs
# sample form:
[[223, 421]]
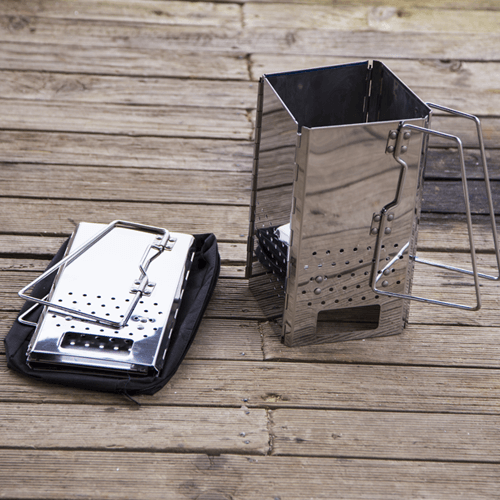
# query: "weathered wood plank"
[[45, 247], [447, 197], [294, 385], [449, 233], [346, 42], [126, 90], [466, 131], [71, 475], [463, 438], [418, 345], [98, 150], [356, 18], [150, 11], [445, 164], [468, 86], [428, 4], [171, 121], [454, 287], [199, 430], [131, 184], [216, 338], [112, 60], [265, 15], [59, 217]]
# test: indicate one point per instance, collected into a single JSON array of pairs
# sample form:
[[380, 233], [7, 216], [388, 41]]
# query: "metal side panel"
[[346, 178]]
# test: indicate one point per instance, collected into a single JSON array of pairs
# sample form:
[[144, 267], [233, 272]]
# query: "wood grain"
[[211, 430], [63, 55], [358, 18], [418, 344], [130, 184], [255, 384], [398, 435], [429, 4], [58, 148], [56, 217], [127, 90], [160, 121], [149, 11], [344, 42], [64, 474]]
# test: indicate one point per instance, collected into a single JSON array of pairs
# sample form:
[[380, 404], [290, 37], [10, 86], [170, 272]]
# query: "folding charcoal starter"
[[114, 300], [337, 186]]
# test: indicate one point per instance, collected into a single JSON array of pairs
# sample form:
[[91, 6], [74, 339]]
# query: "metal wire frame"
[[140, 287], [377, 273]]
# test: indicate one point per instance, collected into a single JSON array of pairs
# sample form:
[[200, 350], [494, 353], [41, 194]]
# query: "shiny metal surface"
[[124, 267], [321, 165]]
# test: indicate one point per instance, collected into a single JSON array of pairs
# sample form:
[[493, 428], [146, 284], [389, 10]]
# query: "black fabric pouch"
[[200, 286]]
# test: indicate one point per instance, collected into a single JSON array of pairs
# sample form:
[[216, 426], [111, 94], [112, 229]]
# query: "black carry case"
[[199, 288]]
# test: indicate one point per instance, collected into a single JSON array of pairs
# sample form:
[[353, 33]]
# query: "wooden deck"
[[143, 110]]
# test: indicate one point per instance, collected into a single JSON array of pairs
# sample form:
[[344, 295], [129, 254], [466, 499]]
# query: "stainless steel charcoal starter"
[[114, 300], [337, 187]]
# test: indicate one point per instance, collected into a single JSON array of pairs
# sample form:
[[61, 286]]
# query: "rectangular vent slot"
[[75, 340], [351, 318]]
